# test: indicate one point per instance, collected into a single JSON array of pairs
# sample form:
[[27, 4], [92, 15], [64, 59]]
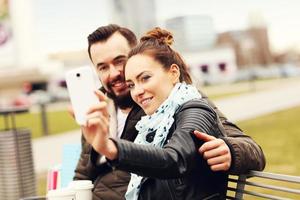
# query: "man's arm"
[[246, 153], [83, 170], [236, 152]]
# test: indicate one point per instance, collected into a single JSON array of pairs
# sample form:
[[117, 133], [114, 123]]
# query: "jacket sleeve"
[[177, 157], [84, 170], [245, 152]]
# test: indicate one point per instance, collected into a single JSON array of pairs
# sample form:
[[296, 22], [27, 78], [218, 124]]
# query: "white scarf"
[[159, 122]]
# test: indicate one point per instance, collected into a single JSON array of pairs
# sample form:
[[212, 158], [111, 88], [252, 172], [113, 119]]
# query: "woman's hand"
[[215, 151], [96, 130]]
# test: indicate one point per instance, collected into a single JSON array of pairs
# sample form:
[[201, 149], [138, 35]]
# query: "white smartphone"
[[81, 86]]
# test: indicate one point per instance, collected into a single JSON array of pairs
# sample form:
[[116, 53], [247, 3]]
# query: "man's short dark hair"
[[104, 32]]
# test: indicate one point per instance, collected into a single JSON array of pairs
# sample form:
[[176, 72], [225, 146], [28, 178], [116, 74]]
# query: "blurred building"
[[251, 46], [71, 59], [6, 44], [138, 15], [25, 52], [212, 66], [14, 80], [291, 56], [196, 38], [192, 33]]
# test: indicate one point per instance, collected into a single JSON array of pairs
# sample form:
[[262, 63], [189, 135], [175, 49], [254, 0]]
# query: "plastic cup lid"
[[81, 185], [61, 192]]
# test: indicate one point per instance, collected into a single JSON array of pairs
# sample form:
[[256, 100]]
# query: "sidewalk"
[[47, 151], [248, 106]]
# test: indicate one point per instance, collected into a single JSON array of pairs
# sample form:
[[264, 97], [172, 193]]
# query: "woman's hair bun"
[[161, 35]]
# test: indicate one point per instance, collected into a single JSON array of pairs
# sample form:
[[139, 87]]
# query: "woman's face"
[[149, 83]]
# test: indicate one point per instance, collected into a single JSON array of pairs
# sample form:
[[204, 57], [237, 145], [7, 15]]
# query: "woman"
[[163, 159]]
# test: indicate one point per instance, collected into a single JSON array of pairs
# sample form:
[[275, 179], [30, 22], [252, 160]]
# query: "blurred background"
[[244, 54], [222, 42]]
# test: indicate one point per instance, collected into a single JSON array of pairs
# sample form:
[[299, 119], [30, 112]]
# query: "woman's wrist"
[[111, 150]]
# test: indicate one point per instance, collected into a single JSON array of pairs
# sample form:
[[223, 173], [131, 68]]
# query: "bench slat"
[[267, 186], [232, 198], [280, 177], [257, 194], [242, 181], [272, 187]]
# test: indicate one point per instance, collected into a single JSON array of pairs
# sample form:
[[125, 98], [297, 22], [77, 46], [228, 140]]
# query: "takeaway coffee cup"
[[61, 194], [82, 188]]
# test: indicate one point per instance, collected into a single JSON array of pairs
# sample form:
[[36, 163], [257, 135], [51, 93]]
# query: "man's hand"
[[96, 130], [215, 151], [71, 111]]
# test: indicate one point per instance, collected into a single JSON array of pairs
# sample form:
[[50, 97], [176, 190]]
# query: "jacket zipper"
[[96, 182]]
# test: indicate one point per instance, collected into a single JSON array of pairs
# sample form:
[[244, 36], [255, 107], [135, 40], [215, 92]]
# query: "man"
[[108, 49]]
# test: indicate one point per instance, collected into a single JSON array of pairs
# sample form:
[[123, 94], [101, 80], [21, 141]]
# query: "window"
[[204, 68], [62, 83], [222, 67]]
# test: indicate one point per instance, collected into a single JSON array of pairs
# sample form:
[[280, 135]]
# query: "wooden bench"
[[263, 185]]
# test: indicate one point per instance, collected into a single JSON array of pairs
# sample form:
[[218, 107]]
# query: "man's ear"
[[175, 73]]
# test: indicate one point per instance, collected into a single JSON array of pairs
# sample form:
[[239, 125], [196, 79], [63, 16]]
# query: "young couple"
[[166, 157]]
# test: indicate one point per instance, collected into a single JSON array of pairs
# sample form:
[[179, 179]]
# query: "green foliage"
[[58, 121], [219, 96], [41, 184], [279, 136]]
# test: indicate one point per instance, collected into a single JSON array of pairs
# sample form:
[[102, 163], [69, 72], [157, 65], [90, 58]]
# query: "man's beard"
[[122, 101]]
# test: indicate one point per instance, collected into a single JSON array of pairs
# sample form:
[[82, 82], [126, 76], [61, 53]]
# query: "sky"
[[282, 17], [64, 25]]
